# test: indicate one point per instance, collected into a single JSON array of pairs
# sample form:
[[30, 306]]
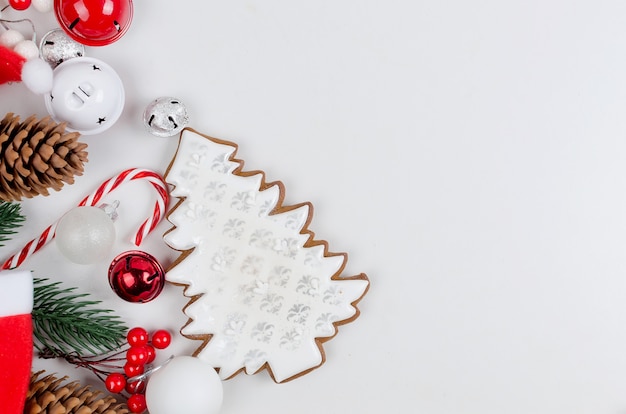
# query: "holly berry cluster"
[[142, 352]]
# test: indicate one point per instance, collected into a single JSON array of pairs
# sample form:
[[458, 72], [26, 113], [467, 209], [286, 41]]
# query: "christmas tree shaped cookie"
[[264, 294]]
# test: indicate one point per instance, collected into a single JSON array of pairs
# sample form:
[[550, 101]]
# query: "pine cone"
[[50, 395], [37, 155]]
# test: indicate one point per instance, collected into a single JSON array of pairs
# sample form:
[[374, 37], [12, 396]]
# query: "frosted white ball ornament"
[[85, 235], [185, 385]]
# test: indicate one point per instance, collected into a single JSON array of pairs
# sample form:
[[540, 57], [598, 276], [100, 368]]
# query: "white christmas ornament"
[[268, 294], [87, 94], [85, 235], [184, 385]]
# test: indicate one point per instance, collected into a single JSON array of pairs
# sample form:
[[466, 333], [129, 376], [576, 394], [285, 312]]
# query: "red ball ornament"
[[115, 383], [19, 4], [137, 355], [137, 403], [136, 387], [132, 370], [161, 339], [136, 276], [137, 336], [94, 22], [151, 352]]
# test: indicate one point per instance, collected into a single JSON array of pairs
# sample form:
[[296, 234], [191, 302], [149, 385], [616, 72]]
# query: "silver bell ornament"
[[165, 117], [56, 47]]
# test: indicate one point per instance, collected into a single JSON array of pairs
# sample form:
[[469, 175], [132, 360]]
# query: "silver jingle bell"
[[56, 47], [165, 117]]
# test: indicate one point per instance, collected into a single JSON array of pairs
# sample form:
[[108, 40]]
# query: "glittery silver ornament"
[[56, 47], [165, 116]]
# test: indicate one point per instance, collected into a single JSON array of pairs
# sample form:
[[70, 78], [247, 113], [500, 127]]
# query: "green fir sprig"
[[64, 322], [10, 219]]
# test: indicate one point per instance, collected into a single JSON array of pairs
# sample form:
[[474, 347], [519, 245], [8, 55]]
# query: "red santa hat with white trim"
[[16, 346]]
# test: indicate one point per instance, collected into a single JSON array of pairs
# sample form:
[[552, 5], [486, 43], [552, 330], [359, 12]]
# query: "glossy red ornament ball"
[[115, 382], [137, 336], [19, 4], [132, 370], [136, 387], [94, 22], [151, 352], [137, 355], [136, 276], [137, 403], [161, 339]]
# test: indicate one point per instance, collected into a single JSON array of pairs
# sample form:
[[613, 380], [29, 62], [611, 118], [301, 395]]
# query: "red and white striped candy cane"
[[93, 199]]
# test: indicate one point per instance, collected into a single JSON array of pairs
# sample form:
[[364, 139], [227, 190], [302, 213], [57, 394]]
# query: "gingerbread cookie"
[[264, 294]]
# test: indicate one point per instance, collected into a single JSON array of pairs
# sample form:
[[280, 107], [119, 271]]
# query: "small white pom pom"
[[43, 6], [27, 48], [37, 76], [10, 38]]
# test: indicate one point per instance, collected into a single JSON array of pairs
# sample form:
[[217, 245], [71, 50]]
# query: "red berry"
[[161, 339], [137, 403], [136, 387], [19, 4], [115, 382], [132, 370], [137, 337], [137, 355], [151, 352]]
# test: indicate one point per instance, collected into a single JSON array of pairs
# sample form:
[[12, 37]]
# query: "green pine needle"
[[64, 323], [10, 219]]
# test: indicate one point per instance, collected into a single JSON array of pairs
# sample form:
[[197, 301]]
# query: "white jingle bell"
[[85, 235], [87, 94], [184, 385]]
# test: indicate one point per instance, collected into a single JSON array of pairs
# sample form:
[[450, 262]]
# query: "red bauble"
[[115, 383], [137, 336], [137, 355], [137, 403], [151, 352], [136, 276], [136, 387], [132, 370], [94, 22], [161, 339], [19, 4]]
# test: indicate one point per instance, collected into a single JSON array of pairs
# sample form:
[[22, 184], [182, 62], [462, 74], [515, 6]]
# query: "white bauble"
[[185, 385], [85, 235]]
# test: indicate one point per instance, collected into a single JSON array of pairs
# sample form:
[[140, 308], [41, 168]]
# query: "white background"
[[467, 155]]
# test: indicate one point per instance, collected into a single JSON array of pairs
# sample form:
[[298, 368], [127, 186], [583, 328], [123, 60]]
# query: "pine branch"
[[64, 322], [10, 219]]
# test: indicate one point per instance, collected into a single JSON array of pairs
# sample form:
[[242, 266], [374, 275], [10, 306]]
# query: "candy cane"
[[93, 199]]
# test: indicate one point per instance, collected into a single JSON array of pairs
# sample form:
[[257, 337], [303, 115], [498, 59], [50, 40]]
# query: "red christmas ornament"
[[137, 403], [115, 383], [161, 339], [19, 4], [94, 22], [137, 336], [136, 276]]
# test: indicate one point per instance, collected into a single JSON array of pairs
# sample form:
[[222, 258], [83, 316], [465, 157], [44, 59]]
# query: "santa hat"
[[35, 73], [16, 346]]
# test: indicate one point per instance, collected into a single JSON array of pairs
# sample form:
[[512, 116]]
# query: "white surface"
[[468, 155]]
